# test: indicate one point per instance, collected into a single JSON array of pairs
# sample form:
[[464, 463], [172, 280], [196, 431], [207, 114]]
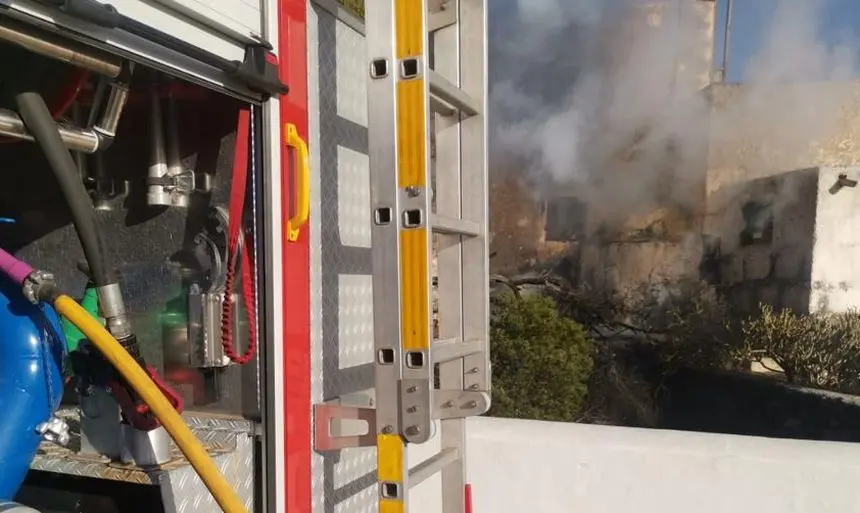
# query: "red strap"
[[240, 180], [70, 93], [138, 413], [234, 231]]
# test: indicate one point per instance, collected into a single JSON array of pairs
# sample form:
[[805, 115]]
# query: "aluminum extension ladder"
[[420, 95], [427, 65]]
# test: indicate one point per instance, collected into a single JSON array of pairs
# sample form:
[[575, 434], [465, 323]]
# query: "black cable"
[[37, 118]]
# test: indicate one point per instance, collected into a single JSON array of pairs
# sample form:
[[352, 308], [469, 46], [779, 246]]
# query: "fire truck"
[[243, 247]]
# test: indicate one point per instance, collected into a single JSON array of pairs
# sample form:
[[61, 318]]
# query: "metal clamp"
[[55, 430], [204, 327]]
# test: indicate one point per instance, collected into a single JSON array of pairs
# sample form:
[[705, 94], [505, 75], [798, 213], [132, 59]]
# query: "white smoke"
[[589, 96]]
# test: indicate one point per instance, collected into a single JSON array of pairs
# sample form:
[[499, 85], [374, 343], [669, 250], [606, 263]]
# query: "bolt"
[[413, 431], [471, 404], [412, 191], [412, 409], [412, 389], [473, 387], [387, 430], [448, 404], [473, 370]]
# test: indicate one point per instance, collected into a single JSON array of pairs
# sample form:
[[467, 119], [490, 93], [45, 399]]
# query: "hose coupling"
[[39, 286]]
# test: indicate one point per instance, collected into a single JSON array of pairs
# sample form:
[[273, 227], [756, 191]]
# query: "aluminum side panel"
[[341, 282]]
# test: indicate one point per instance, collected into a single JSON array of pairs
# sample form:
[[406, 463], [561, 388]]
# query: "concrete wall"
[[518, 466], [836, 254]]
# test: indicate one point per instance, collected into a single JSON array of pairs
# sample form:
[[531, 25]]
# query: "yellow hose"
[[140, 381]]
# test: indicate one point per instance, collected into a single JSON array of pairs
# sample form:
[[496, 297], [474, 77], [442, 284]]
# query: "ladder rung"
[[442, 19], [448, 350], [447, 92], [427, 468], [451, 226]]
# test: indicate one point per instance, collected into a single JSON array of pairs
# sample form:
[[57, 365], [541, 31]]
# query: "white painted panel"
[[242, 17], [174, 23], [543, 467], [836, 254]]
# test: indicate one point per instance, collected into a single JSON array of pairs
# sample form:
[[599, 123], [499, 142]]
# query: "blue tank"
[[32, 351]]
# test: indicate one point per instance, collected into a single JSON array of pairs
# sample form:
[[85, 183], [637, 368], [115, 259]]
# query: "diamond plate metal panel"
[[183, 491], [341, 301], [228, 440], [353, 192], [351, 75], [355, 329]]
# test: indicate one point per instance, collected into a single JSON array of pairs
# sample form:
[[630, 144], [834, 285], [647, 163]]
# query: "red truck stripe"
[[293, 70]]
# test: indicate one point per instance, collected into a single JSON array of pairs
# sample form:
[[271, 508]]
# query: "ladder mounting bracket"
[[456, 404], [338, 427]]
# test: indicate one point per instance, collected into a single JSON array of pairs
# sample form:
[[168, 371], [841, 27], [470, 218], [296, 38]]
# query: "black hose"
[[37, 118]]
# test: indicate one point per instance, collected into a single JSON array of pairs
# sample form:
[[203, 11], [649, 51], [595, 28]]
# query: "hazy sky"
[[840, 21]]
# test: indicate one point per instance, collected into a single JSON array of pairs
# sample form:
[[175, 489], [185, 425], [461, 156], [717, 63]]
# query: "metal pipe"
[[86, 140], [157, 195], [76, 139], [65, 51], [727, 36], [175, 169], [113, 110]]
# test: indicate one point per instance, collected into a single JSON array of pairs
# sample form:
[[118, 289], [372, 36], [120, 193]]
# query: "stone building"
[[644, 225], [781, 193], [616, 243]]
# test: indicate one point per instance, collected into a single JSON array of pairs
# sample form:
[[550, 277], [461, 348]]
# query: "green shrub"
[[820, 350], [541, 361]]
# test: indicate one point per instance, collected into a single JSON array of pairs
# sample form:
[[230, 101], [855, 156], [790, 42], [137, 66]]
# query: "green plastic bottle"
[[90, 303]]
